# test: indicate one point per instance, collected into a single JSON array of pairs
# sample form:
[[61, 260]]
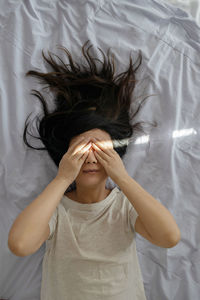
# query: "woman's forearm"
[[29, 226], [156, 218]]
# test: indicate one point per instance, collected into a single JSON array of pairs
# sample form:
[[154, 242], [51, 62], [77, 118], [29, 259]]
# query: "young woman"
[[89, 229]]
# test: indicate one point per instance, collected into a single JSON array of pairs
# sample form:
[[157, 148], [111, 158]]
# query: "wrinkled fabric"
[[165, 161]]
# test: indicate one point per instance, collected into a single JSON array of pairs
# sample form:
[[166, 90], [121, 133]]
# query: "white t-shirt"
[[91, 251]]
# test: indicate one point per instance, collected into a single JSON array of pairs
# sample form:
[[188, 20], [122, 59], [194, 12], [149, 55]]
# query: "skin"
[[90, 188]]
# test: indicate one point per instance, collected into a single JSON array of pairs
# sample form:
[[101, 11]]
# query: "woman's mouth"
[[90, 172]]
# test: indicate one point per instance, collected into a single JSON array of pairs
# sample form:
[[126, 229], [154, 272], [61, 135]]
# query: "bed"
[[165, 162]]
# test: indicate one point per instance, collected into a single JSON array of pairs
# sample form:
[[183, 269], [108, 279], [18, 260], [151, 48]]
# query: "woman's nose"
[[91, 157]]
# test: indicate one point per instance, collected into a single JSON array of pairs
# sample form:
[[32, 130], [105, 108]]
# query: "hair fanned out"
[[85, 98]]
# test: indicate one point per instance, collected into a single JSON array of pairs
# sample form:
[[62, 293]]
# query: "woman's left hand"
[[109, 159]]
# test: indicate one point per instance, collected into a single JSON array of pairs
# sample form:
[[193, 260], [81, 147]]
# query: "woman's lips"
[[90, 172]]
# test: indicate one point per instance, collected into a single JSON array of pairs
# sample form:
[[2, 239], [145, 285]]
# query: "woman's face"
[[91, 161]]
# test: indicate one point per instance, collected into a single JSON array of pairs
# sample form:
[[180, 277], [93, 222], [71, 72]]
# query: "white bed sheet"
[[166, 162], [192, 7]]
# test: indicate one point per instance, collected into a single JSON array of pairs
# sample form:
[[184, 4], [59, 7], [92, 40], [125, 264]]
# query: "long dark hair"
[[85, 99]]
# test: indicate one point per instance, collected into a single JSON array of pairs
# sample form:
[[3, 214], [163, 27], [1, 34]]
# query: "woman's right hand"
[[73, 159]]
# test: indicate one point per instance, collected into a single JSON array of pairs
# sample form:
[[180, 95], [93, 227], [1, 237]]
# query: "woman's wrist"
[[62, 180]]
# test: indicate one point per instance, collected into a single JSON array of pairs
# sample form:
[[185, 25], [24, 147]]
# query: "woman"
[[89, 230]]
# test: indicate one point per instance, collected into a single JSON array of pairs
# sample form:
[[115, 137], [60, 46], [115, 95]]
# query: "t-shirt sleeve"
[[132, 216], [52, 223]]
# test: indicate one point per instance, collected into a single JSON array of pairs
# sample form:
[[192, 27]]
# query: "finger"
[[101, 152], [101, 156], [104, 146], [83, 157], [108, 144], [80, 145], [82, 150], [100, 159], [73, 144]]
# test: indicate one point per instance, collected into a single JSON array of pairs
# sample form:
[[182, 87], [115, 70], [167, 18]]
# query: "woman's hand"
[[109, 159], [73, 159]]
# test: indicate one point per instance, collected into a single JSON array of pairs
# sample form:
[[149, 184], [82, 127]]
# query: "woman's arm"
[[30, 227], [155, 217]]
